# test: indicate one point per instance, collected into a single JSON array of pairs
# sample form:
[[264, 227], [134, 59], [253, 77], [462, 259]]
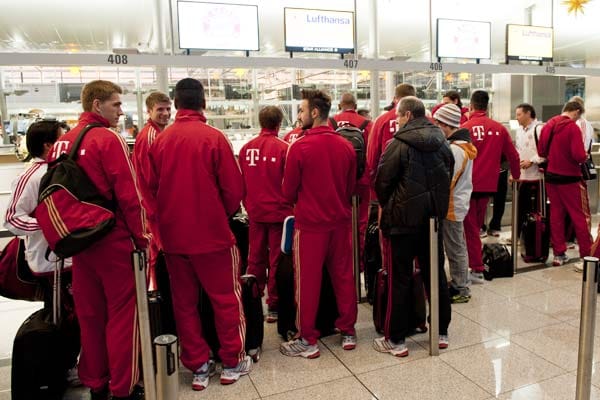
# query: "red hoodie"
[[262, 162], [319, 178], [383, 130], [566, 149], [294, 135], [104, 157], [353, 118], [492, 141], [197, 184]]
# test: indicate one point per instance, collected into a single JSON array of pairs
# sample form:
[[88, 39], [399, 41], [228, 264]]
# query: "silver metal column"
[[587, 325], [167, 376], [373, 54], [514, 225], [434, 293], [139, 270], [356, 248]]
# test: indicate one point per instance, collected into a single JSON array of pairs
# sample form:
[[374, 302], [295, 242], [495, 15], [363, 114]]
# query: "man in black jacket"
[[412, 185]]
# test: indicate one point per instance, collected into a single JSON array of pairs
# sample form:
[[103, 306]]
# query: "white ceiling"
[[85, 26]]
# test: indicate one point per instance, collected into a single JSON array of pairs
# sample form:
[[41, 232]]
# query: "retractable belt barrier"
[[167, 367], [587, 325], [434, 293]]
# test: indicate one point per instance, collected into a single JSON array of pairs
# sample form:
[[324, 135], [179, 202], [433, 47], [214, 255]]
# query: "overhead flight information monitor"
[[463, 39], [318, 31], [533, 43], [217, 26]]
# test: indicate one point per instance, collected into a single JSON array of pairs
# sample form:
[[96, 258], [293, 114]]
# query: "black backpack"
[[497, 260], [355, 136]]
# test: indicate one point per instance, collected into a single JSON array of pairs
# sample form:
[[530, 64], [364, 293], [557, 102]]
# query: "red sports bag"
[[71, 213]]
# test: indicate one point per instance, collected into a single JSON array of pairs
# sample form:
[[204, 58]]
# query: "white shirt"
[[587, 132], [19, 218], [525, 143]]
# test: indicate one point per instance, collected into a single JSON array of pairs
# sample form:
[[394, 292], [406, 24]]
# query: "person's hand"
[[510, 179], [526, 164]]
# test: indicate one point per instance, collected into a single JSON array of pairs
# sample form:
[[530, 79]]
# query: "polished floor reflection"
[[516, 339]]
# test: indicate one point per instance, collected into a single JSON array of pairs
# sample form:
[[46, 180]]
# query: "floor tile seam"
[[558, 322], [348, 368], [536, 354], [559, 289], [253, 383], [513, 297], [312, 385], [533, 383], [466, 377]]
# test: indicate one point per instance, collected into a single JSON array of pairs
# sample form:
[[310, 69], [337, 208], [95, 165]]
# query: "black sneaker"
[[102, 394]]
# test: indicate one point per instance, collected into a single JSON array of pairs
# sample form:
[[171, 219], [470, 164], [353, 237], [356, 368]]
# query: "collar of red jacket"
[[154, 125], [478, 114], [268, 132], [189, 115], [348, 110], [88, 117], [319, 129]]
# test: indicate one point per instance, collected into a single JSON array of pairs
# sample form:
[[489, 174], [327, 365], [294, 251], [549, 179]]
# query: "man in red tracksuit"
[[349, 116], [103, 281], [492, 140], [158, 106], [383, 131], [197, 182], [319, 178], [262, 162], [561, 143], [294, 134]]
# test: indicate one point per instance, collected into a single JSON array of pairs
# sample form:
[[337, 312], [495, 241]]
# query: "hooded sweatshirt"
[[464, 153]]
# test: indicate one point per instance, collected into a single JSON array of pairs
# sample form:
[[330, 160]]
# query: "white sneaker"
[[299, 348], [443, 342], [383, 345], [476, 278], [348, 342], [202, 376], [231, 375], [560, 260]]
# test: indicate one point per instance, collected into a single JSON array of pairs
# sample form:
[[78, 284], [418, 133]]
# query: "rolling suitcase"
[[160, 303], [535, 235], [372, 254], [40, 353]]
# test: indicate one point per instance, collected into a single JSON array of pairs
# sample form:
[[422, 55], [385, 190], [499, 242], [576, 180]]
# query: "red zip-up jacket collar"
[[88, 117], [154, 125], [191, 115], [319, 130], [478, 114], [268, 132]]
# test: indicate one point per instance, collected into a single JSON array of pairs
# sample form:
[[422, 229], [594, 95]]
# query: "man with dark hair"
[[262, 162], [452, 97], [492, 141], [527, 137], [319, 178], [413, 184], [197, 182], [158, 106], [561, 143], [103, 281], [349, 116]]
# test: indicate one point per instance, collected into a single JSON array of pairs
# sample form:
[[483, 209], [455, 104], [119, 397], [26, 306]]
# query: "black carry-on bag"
[[535, 235], [40, 353]]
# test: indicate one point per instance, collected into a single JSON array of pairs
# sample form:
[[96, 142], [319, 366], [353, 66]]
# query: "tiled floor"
[[516, 339]]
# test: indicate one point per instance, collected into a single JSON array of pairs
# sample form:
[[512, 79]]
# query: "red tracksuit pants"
[[364, 193], [570, 199], [104, 294], [472, 224], [312, 251], [218, 274], [264, 253]]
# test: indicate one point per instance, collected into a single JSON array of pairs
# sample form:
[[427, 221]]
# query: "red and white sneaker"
[[348, 342], [299, 348], [231, 375], [202, 376]]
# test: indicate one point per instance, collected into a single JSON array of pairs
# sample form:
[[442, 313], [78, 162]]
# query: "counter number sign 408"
[[117, 59]]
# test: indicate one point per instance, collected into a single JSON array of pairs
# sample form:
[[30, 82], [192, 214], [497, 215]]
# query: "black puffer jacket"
[[413, 178]]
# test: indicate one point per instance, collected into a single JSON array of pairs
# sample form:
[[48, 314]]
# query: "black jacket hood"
[[461, 134], [421, 134]]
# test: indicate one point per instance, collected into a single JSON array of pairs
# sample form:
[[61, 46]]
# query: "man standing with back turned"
[[198, 184], [319, 178]]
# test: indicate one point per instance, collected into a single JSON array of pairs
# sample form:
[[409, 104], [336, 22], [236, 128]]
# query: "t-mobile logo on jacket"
[[253, 155], [479, 132]]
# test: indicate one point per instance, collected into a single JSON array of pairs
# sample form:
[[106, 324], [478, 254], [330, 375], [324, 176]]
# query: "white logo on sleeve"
[[252, 155], [59, 148]]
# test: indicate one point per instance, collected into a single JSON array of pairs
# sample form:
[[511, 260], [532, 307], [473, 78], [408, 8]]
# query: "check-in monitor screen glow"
[[463, 39], [529, 42], [320, 31], [216, 26]]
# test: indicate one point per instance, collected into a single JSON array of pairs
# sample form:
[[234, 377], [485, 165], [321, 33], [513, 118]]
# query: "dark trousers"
[[404, 249], [499, 201]]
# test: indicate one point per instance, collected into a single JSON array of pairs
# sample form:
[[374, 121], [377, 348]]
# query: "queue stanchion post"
[[167, 367], [434, 293], [587, 325], [356, 248], [514, 245]]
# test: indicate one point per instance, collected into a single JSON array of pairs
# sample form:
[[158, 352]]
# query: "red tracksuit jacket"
[[319, 178], [104, 157], [294, 135], [197, 184], [262, 162], [353, 118], [141, 162], [492, 141], [383, 130], [566, 149]]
